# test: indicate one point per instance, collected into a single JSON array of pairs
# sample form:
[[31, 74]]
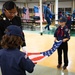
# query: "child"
[[68, 23], [62, 33], [12, 60]]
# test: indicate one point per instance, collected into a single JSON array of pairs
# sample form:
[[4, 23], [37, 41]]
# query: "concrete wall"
[[65, 4]]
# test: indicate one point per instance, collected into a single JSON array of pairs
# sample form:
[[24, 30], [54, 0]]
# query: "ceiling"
[[34, 0]]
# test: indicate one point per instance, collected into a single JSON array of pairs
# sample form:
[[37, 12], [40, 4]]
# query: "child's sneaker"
[[59, 66], [64, 67]]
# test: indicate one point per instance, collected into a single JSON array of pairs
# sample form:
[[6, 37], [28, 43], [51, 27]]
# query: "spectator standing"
[[68, 23], [48, 13]]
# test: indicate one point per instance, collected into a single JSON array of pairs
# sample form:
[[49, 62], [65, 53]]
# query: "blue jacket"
[[62, 33], [73, 16], [13, 62], [47, 12]]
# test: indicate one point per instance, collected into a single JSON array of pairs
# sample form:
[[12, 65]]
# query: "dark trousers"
[[48, 23], [63, 47]]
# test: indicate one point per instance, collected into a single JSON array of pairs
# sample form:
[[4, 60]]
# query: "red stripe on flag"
[[37, 58], [33, 53]]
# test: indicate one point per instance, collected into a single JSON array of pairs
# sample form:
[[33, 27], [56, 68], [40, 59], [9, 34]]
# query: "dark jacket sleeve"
[[27, 65], [49, 11], [68, 34], [24, 43], [1, 27]]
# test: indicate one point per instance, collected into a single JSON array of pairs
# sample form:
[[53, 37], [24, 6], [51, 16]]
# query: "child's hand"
[[26, 56], [55, 40], [64, 40], [24, 49]]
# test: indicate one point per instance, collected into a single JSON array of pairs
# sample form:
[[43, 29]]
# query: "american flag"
[[38, 56]]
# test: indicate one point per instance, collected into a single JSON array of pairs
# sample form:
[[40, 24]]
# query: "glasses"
[[11, 13]]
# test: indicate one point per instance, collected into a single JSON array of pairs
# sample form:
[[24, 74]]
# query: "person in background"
[[9, 17], [47, 14], [73, 15], [18, 11], [73, 20], [68, 23], [62, 33], [12, 60], [60, 14]]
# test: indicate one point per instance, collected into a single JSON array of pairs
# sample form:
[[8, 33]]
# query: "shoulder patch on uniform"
[[66, 29], [2, 17]]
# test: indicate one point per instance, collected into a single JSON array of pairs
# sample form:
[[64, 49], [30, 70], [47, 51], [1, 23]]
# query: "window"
[[68, 10], [63, 10], [31, 10]]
